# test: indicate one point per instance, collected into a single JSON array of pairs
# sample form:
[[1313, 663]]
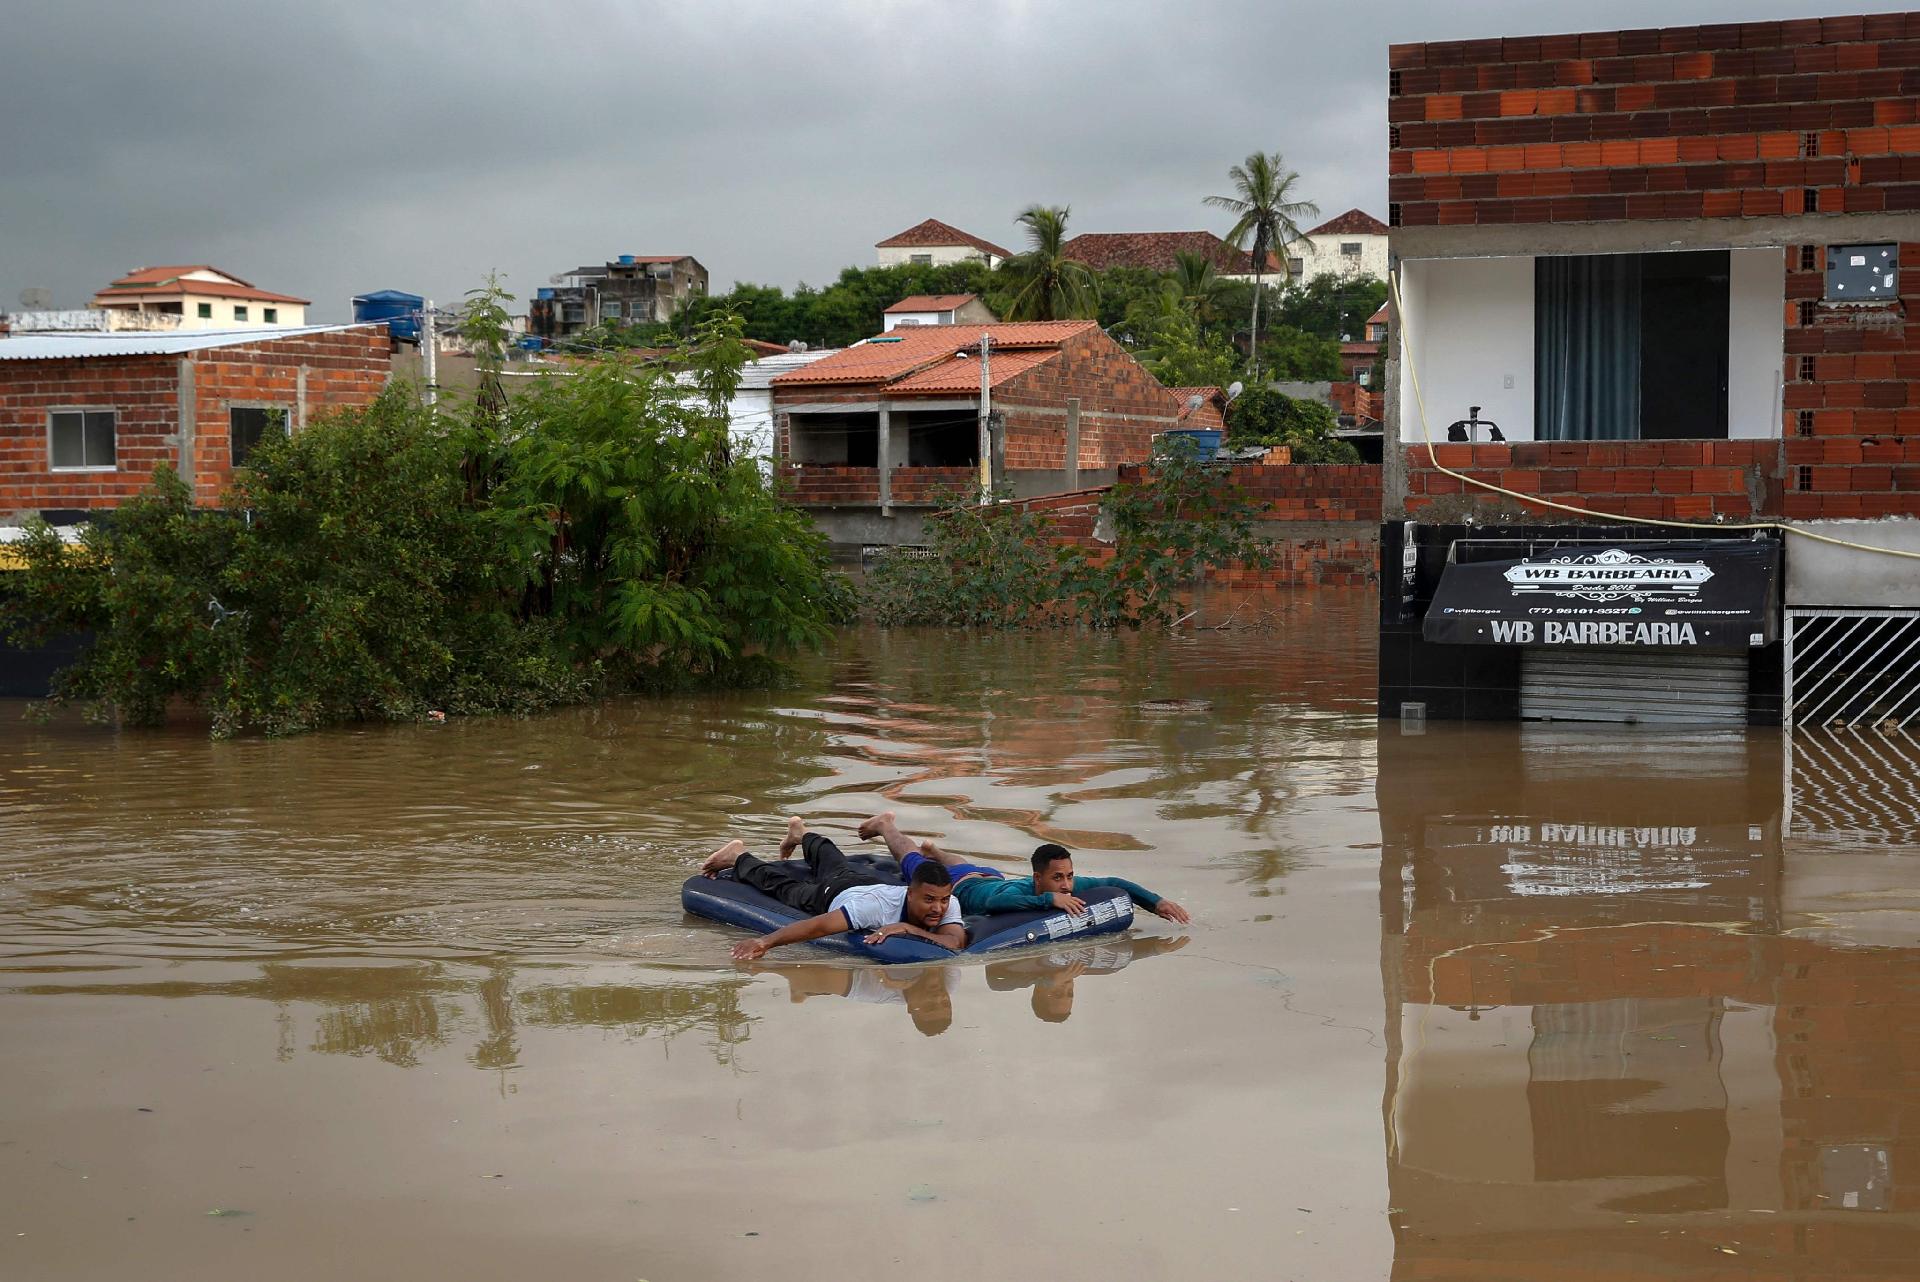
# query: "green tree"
[[1330, 305], [1178, 353], [1043, 283], [1262, 416], [1198, 286], [1266, 218], [1289, 353]]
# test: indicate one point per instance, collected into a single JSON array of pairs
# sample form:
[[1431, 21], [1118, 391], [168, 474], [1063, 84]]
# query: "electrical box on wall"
[[1862, 273]]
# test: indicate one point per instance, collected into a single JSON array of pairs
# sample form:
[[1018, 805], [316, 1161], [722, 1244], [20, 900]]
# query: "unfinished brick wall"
[[1852, 396], [309, 375], [141, 390], [817, 485], [1717, 121], [1122, 406]]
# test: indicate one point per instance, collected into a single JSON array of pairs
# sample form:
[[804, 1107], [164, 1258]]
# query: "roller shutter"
[[1696, 688]]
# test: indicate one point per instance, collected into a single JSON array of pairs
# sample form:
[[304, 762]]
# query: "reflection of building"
[[1604, 1053]]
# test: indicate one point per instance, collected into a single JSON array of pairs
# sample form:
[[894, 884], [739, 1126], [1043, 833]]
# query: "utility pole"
[[429, 350], [986, 429]]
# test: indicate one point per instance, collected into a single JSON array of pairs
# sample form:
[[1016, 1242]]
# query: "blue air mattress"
[[725, 900]]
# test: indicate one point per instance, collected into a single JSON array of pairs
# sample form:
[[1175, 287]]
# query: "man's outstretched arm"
[[951, 935], [799, 932], [1158, 905]]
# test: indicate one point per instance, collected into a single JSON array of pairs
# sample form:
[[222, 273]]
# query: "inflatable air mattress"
[[723, 899]]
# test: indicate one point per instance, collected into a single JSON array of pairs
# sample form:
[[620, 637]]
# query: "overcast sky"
[[326, 149]]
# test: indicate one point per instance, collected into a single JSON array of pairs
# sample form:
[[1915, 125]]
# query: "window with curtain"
[[1631, 346]]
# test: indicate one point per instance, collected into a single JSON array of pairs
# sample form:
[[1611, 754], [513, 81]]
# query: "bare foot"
[[796, 829], [931, 851], [876, 826], [722, 859]]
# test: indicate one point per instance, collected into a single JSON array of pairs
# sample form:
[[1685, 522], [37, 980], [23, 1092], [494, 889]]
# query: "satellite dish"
[[1234, 389], [558, 278], [36, 298], [1193, 402]]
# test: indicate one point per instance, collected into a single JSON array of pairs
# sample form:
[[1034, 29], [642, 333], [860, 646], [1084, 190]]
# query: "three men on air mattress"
[[940, 889]]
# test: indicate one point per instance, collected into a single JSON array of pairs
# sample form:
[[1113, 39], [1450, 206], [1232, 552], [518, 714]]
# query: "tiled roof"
[[934, 232], [1355, 222], [1157, 251], [924, 358], [931, 303], [1379, 317], [166, 281], [1208, 412]]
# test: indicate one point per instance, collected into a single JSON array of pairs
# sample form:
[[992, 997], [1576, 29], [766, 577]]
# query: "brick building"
[[1664, 275], [1069, 406], [84, 419]]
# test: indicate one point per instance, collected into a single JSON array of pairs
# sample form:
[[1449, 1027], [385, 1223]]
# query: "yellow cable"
[[1413, 375]]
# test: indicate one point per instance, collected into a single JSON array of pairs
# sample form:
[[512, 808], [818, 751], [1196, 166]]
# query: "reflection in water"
[[1613, 1039], [1051, 974]]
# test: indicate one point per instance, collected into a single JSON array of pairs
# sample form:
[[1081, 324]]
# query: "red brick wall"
[[1122, 406], [1336, 558], [343, 369], [924, 484], [1719, 121], [1852, 397], [140, 389], [1683, 480], [820, 486]]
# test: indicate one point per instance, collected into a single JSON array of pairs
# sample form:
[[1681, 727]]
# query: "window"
[[610, 310], [920, 260], [203, 310], [271, 315], [1296, 267], [80, 440], [1349, 249], [246, 424], [1631, 346], [239, 312]]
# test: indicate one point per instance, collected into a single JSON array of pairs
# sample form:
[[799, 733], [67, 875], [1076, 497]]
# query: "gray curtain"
[[1587, 348]]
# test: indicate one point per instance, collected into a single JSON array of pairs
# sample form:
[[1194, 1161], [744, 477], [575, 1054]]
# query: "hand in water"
[[1172, 912], [1070, 904], [752, 950]]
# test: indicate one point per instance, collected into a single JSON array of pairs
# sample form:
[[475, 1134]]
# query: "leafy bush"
[[596, 535], [997, 566], [1263, 416]]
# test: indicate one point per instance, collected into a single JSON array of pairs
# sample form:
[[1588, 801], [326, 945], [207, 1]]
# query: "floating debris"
[[1171, 706]]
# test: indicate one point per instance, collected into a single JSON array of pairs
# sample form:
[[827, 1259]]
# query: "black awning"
[[1694, 595]]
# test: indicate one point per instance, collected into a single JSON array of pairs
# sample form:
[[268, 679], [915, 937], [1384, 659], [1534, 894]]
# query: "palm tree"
[[1197, 285], [1268, 219], [1046, 284]]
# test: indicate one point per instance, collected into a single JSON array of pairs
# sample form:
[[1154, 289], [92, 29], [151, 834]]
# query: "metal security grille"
[[1651, 688], [1853, 716]]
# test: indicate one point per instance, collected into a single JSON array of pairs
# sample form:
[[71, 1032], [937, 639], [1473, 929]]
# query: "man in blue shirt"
[[980, 889]]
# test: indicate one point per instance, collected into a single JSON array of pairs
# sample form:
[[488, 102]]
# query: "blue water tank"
[[626, 260], [1204, 441], [401, 312], [543, 292]]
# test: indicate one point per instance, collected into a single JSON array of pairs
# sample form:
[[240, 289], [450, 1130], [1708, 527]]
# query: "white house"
[[198, 297], [935, 244], [938, 309], [1354, 244]]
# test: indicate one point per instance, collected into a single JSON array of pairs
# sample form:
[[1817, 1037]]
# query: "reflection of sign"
[[1612, 575], [1694, 595]]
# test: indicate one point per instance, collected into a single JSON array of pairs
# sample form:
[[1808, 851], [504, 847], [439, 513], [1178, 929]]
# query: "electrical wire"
[[1426, 432]]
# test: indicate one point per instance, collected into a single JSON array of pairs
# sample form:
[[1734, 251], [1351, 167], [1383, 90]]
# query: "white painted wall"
[[1470, 328], [1756, 342], [895, 255], [1320, 256], [1468, 334], [891, 319]]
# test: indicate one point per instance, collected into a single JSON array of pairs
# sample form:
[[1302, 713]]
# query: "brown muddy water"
[[1488, 1002]]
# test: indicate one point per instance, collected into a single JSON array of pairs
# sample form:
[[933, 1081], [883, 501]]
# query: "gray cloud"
[[327, 149]]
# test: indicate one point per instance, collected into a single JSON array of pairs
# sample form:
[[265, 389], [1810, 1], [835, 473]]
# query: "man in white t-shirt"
[[840, 896]]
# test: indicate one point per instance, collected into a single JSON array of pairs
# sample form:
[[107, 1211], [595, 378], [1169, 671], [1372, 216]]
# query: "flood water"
[[1491, 1002]]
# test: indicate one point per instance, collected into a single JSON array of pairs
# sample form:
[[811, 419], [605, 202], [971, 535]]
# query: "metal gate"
[[1852, 709], [1649, 687]]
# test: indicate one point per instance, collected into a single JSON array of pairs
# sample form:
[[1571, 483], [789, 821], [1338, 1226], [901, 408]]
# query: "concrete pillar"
[[187, 423], [1073, 442], [885, 459]]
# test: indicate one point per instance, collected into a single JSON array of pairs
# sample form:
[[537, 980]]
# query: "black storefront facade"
[[1579, 623]]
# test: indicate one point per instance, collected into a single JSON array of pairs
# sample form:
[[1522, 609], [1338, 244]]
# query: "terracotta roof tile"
[[1158, 250], [924, 358], [932, 303], [934, 232], [1355, 222], [165, 281]]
